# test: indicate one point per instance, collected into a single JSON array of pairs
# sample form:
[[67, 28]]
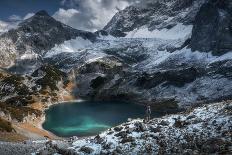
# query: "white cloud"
[[89, 15], [14, 18], [29, 15], [12, 22], [66, 16], [3, 26]]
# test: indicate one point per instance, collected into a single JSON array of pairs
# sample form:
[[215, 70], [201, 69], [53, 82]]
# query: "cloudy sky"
[[88, 15]]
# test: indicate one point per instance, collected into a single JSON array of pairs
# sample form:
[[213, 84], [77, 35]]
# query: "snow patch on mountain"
[[200, 79], [70, 46], [179, 31], [28, 55], [182, 56]]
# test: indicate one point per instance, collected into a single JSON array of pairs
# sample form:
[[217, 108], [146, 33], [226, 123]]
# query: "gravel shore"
[[8, 148]]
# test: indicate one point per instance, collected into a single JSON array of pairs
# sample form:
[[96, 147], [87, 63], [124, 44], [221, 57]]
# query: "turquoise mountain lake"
[[89, 118]]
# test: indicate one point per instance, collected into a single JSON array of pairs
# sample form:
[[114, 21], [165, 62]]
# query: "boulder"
[[86, 149]]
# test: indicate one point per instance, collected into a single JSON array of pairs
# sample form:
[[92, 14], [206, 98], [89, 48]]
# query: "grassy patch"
[[5, 126]]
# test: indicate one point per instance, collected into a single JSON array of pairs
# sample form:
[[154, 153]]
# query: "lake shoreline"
[[89, 118], [31, 128]]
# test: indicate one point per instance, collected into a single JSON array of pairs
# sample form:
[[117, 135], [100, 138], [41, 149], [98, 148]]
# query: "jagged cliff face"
[[34, 36], [153, 15], [211, 20], [212, 30]]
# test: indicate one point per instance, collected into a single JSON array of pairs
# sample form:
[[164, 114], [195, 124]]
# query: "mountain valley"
[[173, 55]]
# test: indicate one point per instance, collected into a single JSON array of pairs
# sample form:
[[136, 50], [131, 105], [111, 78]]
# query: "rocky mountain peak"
[[42, 13], [40, 21], [36, 35]]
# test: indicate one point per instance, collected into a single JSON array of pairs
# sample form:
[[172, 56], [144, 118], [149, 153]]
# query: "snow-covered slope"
[[150, 70], [179, 31], [70, 46]]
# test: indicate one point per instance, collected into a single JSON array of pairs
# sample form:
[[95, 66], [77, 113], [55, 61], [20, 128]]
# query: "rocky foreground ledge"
[[203, 130]]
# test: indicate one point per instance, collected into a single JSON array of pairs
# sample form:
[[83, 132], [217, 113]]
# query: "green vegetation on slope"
[[5, 126], [19, 113]]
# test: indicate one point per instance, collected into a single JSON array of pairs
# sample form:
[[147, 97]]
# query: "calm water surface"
[[89, 118]]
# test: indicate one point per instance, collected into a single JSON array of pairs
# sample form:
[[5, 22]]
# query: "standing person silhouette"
[[148, 113]]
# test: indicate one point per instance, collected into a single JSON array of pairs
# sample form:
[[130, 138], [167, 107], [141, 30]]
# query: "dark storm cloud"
[[89, 14]]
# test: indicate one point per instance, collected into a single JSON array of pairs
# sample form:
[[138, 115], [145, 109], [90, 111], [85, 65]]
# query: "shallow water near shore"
[[89, 118]]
